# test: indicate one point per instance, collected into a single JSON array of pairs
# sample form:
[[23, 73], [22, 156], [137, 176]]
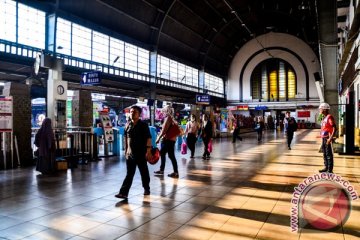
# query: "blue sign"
[[259, 108], [203, 99], [90, 78]]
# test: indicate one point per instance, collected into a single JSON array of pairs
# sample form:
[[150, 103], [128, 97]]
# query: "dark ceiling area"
[[205, 34]]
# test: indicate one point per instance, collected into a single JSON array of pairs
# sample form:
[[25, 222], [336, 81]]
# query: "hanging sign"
[[90, 78]]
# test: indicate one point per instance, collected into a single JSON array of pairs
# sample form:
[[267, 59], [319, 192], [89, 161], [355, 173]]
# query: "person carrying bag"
[[170, 130]]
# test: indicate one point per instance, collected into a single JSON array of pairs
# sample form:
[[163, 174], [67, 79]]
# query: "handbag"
[[174, 131], [183, 148], [210, 146], [155, 156]]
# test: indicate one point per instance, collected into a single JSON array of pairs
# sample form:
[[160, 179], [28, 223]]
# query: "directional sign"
[[90, 78], [203, 99]]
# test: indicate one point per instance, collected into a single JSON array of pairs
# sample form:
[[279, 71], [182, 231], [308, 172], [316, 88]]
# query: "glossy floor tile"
[[243, 192]]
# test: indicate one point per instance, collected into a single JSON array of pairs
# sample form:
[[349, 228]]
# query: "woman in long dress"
[[45, 141]]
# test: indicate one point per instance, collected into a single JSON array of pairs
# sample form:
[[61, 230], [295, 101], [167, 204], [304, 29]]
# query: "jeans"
[[168, 147]]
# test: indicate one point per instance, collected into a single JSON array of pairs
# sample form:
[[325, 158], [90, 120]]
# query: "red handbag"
[[155, 156], [173, 131]]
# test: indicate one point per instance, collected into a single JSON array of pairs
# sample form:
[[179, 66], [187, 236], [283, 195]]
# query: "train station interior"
[[252, 67]]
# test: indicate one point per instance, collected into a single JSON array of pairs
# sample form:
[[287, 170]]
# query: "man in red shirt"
[[328, 130]]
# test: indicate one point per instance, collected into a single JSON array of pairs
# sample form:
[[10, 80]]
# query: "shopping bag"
[[210, 146], [183, 148]]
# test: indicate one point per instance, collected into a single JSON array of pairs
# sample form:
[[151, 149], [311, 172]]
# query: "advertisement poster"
[[6, 117], [107, 126]]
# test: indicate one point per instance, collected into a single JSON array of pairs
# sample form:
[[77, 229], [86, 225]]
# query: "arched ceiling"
[[202, 33]]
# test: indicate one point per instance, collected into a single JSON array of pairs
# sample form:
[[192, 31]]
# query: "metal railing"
[[77, 145], [25, 51]]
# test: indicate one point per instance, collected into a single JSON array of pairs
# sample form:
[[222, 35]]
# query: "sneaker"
[[146, 192], [289, 148], [119, 195], [173, 175], [208, 157], [323, 170], [159, 172], [192, 157]]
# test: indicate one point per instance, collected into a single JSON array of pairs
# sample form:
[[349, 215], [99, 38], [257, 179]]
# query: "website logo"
[[321, 201]]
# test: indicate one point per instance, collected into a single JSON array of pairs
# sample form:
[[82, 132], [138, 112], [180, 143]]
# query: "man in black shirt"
[[137, 151], [290, 128]]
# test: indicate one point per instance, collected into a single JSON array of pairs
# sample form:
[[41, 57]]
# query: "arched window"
[[273, 80]]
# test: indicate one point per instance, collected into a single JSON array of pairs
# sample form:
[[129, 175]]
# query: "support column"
[[327, 13], [21, 120], [56, 94], [82, 108], [202, 81], [153, 74]]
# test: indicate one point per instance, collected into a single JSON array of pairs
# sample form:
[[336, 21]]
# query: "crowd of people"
[[138, 144]]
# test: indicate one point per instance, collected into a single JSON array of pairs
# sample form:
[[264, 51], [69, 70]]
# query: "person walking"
[[137, 151], [290, 127], [45, 141], [259, 128], [236, 131], [206, 135], [328, 130], [191, 132], [167, 143]]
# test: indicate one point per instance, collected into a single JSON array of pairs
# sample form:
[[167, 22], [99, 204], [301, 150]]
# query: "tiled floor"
[[242, 192]]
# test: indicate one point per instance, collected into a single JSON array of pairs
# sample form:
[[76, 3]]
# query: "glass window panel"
[[130, 57], [143, 61], [100, 48], [63, 36], [181, 73], [173, 71], [117, 55], [282, 81], [273, 85], [163, 67], [8, 20], [214, 83], [81, 46], [264, 83], [31, 28], [255, 83], [291, 84]]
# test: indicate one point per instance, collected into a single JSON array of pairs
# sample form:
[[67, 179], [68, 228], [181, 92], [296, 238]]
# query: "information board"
[[6, 114]]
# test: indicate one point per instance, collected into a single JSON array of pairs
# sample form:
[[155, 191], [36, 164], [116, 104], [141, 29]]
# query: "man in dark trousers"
[[328, 130], [236, 132], [290, 128], [206, 134], [137, 151]]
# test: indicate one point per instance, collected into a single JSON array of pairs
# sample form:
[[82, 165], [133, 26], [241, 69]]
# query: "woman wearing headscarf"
[[45, 141], [167, 143], [191, 132]]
